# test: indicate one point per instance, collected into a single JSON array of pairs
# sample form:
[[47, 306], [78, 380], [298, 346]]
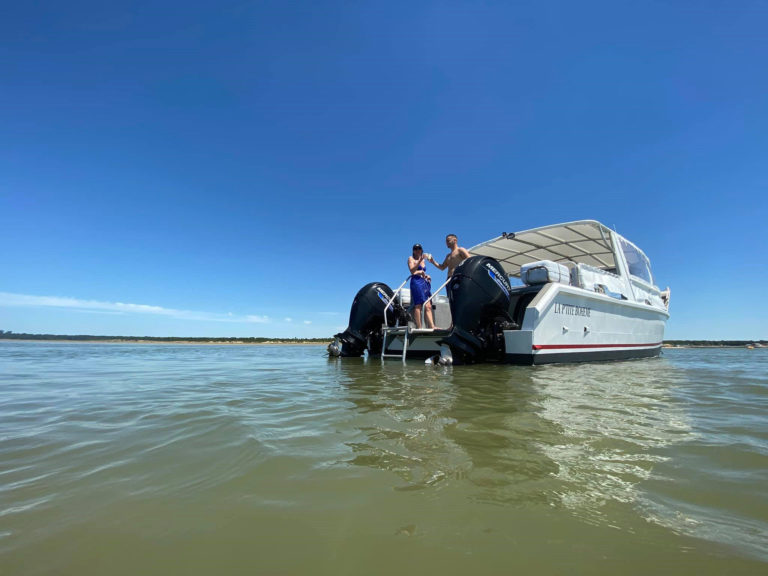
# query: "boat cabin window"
[[638, 263]]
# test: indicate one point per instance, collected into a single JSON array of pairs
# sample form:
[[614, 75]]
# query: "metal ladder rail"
[[443, 285], [385, 327], [407, 331], [394, 295]]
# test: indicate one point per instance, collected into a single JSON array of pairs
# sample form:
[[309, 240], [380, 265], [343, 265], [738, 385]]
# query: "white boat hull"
[[569, 324]]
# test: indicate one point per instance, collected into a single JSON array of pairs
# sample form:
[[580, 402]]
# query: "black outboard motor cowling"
[[479, 297], [365, 321]]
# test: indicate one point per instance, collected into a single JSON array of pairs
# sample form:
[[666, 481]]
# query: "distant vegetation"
[[714, 342], [8, 335]]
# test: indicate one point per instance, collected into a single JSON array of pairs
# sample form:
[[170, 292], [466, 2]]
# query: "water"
[[166, 459]]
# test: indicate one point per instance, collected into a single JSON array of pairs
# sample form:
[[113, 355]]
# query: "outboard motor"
[[479, 297], [365, 321]]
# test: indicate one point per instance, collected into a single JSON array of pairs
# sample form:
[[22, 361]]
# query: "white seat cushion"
[[544, 271]]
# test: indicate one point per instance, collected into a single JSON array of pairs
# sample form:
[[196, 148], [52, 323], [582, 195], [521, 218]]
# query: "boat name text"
[[572, 310]]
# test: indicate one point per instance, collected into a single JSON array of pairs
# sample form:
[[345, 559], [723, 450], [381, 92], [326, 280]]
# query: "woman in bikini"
[[420, 287]]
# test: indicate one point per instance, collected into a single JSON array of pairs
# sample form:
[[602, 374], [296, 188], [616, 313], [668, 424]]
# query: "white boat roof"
[[585, 241]]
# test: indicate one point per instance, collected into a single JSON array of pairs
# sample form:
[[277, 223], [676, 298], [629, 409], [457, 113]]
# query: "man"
[[456, 256]]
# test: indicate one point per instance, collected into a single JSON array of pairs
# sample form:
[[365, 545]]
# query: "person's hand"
[[427, 277]]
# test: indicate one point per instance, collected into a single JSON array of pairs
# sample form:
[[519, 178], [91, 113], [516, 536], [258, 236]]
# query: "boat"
[[571, 292]]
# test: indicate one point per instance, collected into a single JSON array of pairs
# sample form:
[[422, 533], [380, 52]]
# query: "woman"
[[420, 287]]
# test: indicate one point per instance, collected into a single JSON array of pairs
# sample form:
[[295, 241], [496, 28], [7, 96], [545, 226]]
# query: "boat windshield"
[[638, 263]]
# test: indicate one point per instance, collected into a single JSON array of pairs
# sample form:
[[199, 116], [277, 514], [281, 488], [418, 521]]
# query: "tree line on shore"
[[9, 335], [724, 343]]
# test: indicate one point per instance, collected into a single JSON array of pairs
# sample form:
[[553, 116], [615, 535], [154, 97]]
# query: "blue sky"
[[243, 168]]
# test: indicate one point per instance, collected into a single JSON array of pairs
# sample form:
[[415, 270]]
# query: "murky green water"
[[160, 459]]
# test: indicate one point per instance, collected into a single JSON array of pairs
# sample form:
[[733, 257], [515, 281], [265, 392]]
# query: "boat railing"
[[394, 295], [400, 288], [406, 331], [435, 293]]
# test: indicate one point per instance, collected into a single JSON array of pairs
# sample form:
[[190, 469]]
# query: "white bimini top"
[[583, 241]]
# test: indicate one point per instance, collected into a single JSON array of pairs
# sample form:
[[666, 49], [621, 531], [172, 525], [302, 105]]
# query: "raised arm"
[[413, 266], [442, 266]]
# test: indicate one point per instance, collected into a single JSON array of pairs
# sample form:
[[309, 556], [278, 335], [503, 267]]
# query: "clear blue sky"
[[243, 168]]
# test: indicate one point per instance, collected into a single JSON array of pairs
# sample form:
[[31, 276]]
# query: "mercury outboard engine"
[[365, 321], [479, 297]]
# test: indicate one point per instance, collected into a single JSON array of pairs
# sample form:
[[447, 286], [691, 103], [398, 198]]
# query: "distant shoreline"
[[185, 342], [263, 341], [673, 346], [229, 341], [714, 343]]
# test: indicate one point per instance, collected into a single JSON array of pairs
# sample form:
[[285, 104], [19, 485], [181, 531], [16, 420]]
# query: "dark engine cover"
[[479, 297], [366, 319]]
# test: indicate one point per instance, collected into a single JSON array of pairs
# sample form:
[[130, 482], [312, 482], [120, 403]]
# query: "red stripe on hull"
[[579, 346]]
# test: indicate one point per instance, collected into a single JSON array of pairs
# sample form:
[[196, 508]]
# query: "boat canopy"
[[582, 241]]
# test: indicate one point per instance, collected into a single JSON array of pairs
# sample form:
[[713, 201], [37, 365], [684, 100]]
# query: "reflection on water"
[[570, 436], [587, 439], [612, 419], [713, 486], [498, 428], [401, 412]]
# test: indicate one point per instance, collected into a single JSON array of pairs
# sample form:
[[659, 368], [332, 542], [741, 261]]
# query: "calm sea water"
[[166, 459]]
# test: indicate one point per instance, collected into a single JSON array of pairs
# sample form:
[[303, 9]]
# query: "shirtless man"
[[456, 256]]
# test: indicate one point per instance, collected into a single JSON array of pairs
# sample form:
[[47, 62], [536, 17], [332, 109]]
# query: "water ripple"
[[175, 443]]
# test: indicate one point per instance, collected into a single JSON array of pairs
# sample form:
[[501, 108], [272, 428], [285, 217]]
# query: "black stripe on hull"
[[580, 356]]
